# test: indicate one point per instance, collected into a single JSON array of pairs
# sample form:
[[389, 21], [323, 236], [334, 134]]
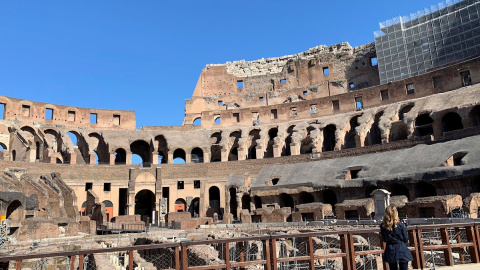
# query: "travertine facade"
[[297, 135]]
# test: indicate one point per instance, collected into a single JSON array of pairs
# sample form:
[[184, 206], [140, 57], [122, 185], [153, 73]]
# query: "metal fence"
[[431, 245]]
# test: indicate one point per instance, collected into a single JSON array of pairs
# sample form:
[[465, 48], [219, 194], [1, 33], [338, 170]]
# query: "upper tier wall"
[[319, 72], [46, 113]]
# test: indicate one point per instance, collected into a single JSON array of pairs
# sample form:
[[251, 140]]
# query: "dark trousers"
[[403, 266]]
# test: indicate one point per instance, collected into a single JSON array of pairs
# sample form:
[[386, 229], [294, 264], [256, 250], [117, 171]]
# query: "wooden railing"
[[431, 245]]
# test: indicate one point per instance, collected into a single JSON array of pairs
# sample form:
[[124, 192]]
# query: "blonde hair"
[[390, 219]]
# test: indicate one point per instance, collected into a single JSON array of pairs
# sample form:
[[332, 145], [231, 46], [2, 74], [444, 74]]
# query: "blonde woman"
[[394, 234]]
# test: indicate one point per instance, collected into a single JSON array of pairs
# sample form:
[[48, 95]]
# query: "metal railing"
[[430, 245]]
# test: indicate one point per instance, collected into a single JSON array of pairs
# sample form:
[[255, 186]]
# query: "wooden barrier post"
[[422, 263], [130, 259], [345, 249], [227, 256], [266, 254], [384, 263], [184, 258], [447, 252], [81, 259], [311, 252], [471, 238], [72, 262], [177, 258], [274, 254], [412, 238]]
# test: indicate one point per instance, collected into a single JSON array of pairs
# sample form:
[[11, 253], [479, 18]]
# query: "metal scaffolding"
[[411, 45]]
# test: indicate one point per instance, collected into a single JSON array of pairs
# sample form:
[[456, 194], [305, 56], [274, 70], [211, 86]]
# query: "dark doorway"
[[145, 205], [122, 201]]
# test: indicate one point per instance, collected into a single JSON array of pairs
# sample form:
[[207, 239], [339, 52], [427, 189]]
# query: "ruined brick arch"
[[180, 205], [288, 140], [404, 110], [179, 156], [162, 149], [329, 196], [474, 116], [350, 136], [424, 189], [451, 121], [194, 207], [82, 146], [286, 200], [197, 155], [120, 156], [234, 137], [329, 138], [398, 131], [97, 144], [142, 149], [197, 121], [233, 202], [305, 197], [53, 139], [216, 148], [257, 201], [253, 135], [246, 200], [424, 124], [15, 211], [374, 135], [145, 204], [272, 134], [108, 209]]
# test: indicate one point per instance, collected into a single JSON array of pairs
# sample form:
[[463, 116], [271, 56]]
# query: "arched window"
[[349, 141], [451, 121], [423, 125], [197, 155], [197, 121], [143, 150], [179, 156], [120, 156], [329, 138]]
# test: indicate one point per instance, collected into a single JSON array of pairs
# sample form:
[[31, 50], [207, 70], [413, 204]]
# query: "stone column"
[[224, 153], [73, 158], [92, 157], [112, 158], [277, 150], [154, 158], [259, 151], [294, 149], [128, 159], [188, 157], [206, 157], [170, 158]]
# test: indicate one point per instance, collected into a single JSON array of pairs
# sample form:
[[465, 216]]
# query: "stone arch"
[[246, 202], [350, 135], [257, 201], [120, 156], [162, 147], [424, 189], [424, 125], [81, 145], [145, 205], [233, 154], [216, 148], [404, 110], [197, 155], [108, 209], [233, 202], [286, 200], [451, 121], [329, 138], [374, 135], [305, 197], [180, 205], [179, 156], [288, 140], [398, 190], [398, 131], [329, 196], [15, 211], [197, 121], [98, 145], [474, 116], [53, 140], [142, 149], [272, 134], [213, 201], [194, 207], [253, 136]]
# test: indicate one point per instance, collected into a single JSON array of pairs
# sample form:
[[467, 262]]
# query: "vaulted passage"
[[272, 133], [145, 205], [120, 156], [253, 136], [142, 149], [475, 116], [329, 138], [197, 155], [233, 202], [215, 149], [349, 141], [179, 156], [213, 201], [288, 140], [162, 149], [305, 197], [423, 125], [451, 121], [398, 131], [424, 189], [374, 135], [234, 138]]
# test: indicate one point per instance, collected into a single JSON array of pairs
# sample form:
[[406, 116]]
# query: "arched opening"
[[330, 197], [197, 121], [398, 131], [180, 205], [246, 202], [424, 189], [162, 149], [194, 207], [14, 155], [253, 136], [329, 138], [145, 205], [474, 116], [451, 121], [286, 200], [233, 202], [81, 148], [288, 140], [197, 155], [350, 135], [137, 160], [399, 190], [83, 208], [15, 211], [143, 150], [213, 201], [306, 146], [218, 120], [37, 150], [423, 125], [305, 197], [179, 156], [73, 138], [272, 134], [215, 149], [53, 140], [120, 156], [235, 137], [258, 202], [108, 209], [374, 135], [404, 110]]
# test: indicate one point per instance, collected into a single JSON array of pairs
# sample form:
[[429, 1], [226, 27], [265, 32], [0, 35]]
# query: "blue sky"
[[147, 55]]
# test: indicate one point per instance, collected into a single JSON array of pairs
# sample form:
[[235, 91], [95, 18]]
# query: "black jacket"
[[396, 249]]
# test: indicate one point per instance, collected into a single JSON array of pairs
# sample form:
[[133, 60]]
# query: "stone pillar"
[[92, 157], [170, 158], [131, 203], [224, 153], [188, 157], [112, 158], [206, 157], [242, 154], [277, 150], [154, 158], [128, 159], [31, 155], [259, 151], [294, 149], [360, 140], [73, 158], [53, 159], [381, 199]]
